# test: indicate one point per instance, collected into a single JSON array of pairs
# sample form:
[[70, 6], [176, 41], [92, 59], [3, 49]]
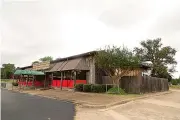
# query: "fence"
[[154, 84], [140, 84], [144, 84], [131, 84]]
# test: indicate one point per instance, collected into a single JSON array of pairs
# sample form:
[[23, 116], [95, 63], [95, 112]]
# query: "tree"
[[46, 58], [35, 62], [7, 70], [161, 57], [116, 62]]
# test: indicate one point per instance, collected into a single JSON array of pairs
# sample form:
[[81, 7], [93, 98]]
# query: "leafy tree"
[[46, 58], [116, 62], [35, 62], [7, 70], [161, 57]]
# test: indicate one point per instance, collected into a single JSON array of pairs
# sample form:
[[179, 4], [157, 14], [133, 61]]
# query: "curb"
[[84, 104], [122, 102]]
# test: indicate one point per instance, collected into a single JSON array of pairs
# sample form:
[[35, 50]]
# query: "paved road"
[[164, 107], [18, 106]]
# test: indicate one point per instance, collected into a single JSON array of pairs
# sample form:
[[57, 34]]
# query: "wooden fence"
[[144, 84], [154, 84]]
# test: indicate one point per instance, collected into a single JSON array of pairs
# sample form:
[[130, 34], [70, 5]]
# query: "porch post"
[[61, 80], [13, 81], [64, 75], [48, 81], [74, 79], [23, 81], [20, 81], [33, 81], [27, 80], [45, 81], [51, 77]]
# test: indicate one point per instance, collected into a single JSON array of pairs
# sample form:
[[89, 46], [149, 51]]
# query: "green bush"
[[174, 82], [79, 87], [178, 81], [87, 88], [98, 88], [108, 87], [14, 83], [115, 90]]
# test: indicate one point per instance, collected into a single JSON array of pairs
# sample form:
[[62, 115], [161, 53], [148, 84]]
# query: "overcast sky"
[[35, 28]]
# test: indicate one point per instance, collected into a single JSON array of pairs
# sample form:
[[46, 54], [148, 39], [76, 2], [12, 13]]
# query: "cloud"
[[35, 28], [126, 13]]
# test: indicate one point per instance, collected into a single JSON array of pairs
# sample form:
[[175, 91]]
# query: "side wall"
[[90, 76]]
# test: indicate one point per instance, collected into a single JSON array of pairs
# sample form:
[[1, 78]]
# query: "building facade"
[[66, 72]]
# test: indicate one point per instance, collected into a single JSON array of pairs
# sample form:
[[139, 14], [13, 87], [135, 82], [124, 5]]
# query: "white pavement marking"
[[163, 103], [116, 116]]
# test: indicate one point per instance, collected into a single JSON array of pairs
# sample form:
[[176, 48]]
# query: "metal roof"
[[73, 64], [75, 56], [66, 58]]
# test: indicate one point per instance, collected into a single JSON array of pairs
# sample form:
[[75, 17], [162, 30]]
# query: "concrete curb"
[[123, 101], [85, 104]]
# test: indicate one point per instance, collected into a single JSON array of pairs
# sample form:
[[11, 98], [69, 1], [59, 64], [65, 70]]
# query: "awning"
[[74, 64], [57, 66], [28, 72], [18, 72]]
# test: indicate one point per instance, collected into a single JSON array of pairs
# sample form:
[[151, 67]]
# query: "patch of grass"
[[175, 86], [133, 95], [116, 90], [7, 80]]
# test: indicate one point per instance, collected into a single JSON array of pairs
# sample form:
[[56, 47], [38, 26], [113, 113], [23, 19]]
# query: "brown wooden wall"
[[145, 84], [140, 84], [131, 84], [154, 84]]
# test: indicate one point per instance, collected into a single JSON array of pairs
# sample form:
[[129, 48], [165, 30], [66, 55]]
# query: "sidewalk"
[[89, 100]]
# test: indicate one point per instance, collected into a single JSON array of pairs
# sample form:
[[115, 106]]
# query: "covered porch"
[[27, 78], [68, 73]]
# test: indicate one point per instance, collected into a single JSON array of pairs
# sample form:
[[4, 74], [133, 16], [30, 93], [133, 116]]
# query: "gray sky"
[[35, 28]]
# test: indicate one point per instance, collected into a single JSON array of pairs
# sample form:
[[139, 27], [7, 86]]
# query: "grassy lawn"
[[7, 80], [175, 86]]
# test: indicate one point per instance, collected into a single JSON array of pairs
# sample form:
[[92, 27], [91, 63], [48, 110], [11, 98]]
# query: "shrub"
[[98, 88], [108, 87], [14, 83], [87, 88], [114, 90], [174, 82], [79, 87], [178, 81]]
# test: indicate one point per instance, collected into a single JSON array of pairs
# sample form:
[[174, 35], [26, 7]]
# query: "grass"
[[7, 80], [175, 86], [127, 95]]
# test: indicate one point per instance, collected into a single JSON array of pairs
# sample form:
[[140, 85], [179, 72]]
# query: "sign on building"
[[41, 65]]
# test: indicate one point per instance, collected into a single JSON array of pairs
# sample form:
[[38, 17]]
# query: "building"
[[66, 72]]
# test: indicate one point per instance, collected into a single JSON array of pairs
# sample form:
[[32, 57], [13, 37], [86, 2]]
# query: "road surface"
[[164, 107], [19, 106]]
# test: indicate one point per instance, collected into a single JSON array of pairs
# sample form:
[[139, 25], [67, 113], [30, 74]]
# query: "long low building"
[[75, 69]]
